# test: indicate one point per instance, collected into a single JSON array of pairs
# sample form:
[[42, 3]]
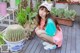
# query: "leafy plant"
[[54, 11], [28, 10], [67, 14], [60, 13], [36, 6], [21, 17], [73, 14], [30, 14], [14, 33], [63, 13], [70, 14], [1, 40]]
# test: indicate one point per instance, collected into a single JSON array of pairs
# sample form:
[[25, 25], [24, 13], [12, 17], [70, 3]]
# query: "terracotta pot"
[[65, 21]]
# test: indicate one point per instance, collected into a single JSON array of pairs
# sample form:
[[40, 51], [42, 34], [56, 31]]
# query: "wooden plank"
[[58, 50], [34, 47], [48, 51], [25, 46], [38, 48], [73, 41], [30, 46], [53, 51], [42, 49], [65, 30], [78, 39], [68, 48]]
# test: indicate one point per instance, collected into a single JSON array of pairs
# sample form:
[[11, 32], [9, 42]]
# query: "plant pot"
[[14, 46], [3, 7], [65, 21]]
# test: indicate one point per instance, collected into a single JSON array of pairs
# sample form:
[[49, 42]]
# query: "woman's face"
[[42, 12]]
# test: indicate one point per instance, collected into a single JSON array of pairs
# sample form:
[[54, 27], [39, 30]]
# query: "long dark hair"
[[49, 15]]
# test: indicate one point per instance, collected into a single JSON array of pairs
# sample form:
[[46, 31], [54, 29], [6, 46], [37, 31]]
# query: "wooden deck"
[[71, 40]]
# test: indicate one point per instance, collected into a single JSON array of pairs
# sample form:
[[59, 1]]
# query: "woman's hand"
[[39, 31]]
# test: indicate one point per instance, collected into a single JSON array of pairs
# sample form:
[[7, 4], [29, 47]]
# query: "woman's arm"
[[39, 31]]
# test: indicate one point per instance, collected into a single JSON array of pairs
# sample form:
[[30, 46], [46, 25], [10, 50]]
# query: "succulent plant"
[[14, 33], [60, 13], [67, 14], [54, 11], [70, 14], [64, 13]]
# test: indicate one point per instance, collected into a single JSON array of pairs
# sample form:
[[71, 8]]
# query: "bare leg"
[[46, 38], [41, 34]]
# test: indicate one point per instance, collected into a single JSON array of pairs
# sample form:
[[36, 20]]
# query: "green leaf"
[[36, 6], [1, 40], [28, 9], [21, 17]]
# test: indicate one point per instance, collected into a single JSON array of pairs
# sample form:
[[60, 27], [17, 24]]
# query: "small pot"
[[14, 46]]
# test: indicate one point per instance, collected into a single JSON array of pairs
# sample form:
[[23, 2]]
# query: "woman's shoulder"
[[50, 20]]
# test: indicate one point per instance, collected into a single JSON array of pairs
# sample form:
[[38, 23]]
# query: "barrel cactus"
[[14, 33]]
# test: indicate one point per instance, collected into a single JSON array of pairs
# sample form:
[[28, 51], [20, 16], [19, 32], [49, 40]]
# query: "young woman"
[[48, 28]]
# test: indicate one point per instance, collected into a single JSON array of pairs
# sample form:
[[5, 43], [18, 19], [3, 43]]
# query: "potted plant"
[[21, 16], [25, 17], [30, 22], [14, 36], [65, 17], [28, 18]]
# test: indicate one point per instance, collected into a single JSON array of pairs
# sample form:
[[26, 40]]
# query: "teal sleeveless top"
[[50, 28]]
